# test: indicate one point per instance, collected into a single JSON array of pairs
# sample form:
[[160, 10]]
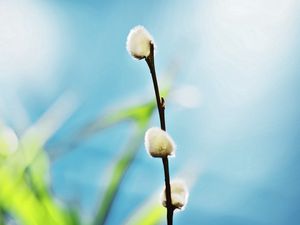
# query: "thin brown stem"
[[160, 106], [170, 207], [161, 112]]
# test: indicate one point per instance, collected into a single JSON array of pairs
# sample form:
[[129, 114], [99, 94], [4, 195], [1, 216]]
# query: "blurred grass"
[[25, 192], [117, 175], [149, 213]]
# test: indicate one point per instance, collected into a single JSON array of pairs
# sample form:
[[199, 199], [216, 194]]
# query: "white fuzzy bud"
[[179, 194], [158, 143], [139, 42]]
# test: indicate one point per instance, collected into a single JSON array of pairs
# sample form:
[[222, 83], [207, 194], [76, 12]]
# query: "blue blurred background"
[[234, 110]]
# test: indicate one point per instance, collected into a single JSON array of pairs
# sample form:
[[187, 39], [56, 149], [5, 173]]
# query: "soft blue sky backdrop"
[[240, 59]]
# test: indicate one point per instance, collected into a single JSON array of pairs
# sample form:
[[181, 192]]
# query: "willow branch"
[[161, 112]]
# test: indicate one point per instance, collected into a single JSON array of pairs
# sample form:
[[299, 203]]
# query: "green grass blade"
[[23, 189], [1, 216], [26, 195], [153, 216], [118, 173], [134, 113], [18, 199]]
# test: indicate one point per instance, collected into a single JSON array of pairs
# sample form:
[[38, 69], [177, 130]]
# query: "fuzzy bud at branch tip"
[[158, 143], [139, 42], [179, 195]]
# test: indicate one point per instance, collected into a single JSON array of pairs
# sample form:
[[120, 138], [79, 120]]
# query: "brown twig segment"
[[161, 112]]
